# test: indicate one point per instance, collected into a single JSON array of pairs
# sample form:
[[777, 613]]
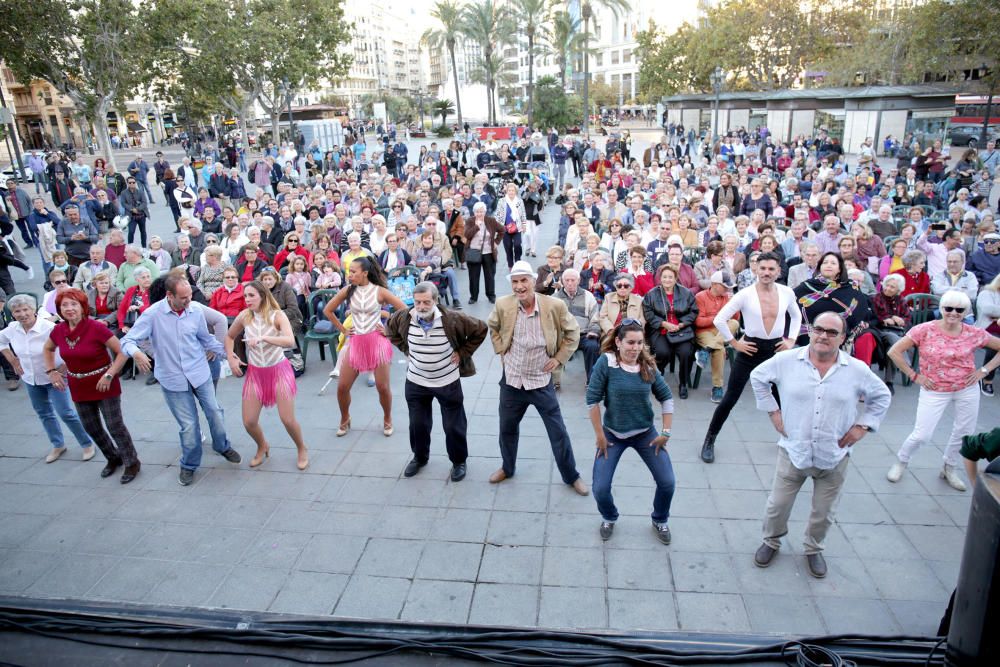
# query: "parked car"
[[968, 135], [12, 172]]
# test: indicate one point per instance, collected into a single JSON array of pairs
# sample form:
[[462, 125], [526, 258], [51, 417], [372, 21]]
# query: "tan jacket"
[[562, 333], [610, 310]]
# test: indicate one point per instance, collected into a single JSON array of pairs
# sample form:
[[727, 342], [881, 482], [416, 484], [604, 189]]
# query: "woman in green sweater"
[[623, 378]]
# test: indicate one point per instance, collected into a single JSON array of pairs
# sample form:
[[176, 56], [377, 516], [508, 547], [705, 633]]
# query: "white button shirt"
[[818, 411], [27, 345]]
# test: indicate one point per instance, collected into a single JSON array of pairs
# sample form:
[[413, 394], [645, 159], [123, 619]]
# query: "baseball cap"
[[724, 278], [992, 236]]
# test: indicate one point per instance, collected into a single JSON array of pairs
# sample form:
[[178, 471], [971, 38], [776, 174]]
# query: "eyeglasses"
[[822, 331], [623, 286], [58, 282], [953, 309]]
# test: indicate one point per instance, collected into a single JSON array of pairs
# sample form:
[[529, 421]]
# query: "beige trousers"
[[713, 341], [787, 481]]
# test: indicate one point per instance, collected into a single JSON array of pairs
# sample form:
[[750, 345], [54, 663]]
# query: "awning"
[[136, 127]]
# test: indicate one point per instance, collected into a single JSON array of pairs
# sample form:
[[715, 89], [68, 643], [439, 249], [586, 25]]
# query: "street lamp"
[[286, 90], [717, 78], [586, 12]]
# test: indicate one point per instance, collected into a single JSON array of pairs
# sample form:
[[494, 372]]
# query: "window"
[[615, 57], [626, 55], [599, 60]]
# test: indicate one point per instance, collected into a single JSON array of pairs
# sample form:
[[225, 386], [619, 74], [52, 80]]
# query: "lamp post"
[[984, 132], [286, 89], [716, 77], [586, 12]]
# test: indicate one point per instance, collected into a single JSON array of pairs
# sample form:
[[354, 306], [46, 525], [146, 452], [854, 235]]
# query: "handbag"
[[475, 255], [509, 225]]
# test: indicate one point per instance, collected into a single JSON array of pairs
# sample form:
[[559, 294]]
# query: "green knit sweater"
[[625, 396]]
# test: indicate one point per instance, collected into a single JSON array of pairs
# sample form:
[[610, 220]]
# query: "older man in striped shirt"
[[438, 344]]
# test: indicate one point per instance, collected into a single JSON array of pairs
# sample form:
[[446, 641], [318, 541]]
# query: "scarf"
[[828, 287]]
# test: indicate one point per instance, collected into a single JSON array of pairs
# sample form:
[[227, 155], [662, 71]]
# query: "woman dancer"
[[269, 377], [368, 348]]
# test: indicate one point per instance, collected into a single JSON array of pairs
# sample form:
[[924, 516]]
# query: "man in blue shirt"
[[182, 347]]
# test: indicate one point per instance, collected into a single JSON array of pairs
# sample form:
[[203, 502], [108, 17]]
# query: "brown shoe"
[[817, 565], [498, 476], [764, 556], [581, 487]]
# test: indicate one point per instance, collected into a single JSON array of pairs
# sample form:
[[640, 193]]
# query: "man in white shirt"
[[820, 387], [771, 321]]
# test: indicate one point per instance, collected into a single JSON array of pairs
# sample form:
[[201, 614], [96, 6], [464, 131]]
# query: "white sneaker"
[[949, 475], [896, 472], [335, 373]]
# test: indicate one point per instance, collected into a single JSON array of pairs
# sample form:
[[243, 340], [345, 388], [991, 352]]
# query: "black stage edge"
[[974, 636], [66, 632]]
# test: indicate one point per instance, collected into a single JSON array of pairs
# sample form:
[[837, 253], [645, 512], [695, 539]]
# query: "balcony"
[[28, 110]]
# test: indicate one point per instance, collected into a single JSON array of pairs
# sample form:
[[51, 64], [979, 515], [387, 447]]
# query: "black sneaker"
[[186, 477], [232, 456], [662, 532], [986, 388], [456, 304]]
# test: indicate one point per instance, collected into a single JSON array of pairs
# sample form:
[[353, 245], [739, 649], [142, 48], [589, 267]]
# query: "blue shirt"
[[180, 341]]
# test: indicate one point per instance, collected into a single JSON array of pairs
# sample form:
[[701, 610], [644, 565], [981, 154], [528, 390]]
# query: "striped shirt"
[[430, 363], [522, 365]]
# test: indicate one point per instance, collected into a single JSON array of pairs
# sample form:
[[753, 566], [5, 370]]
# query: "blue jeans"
[[658, 463], [185, 411], [50, 403], [452, 282], [513, 404]]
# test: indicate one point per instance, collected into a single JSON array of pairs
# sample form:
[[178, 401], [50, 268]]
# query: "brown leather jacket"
[[464, 332]]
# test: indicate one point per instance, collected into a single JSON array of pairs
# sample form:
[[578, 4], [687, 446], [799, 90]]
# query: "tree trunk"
[[458, 95], [103, 140], [531, 78]]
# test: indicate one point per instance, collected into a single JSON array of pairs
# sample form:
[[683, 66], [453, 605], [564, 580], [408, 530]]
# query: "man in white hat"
[[534, 334]]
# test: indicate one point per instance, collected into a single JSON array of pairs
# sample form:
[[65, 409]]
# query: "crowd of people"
[[774, 255]]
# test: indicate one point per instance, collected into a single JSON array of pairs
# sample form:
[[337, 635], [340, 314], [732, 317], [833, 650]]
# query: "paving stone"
[[373, 597], [703, 572], [573, 608], [857, 616], [131, 580], [511, 565], [454, 561], [639, 570], [577, 567], [462, 525], [784, 615], [21, 569], [438, 601], [906, 580], [249, 587], [641, 610], [331, 553], [505, 605], [936, 542], [712, 612], [916, 617], [188, 584], [517, 528], [313, 593], [390, 558]]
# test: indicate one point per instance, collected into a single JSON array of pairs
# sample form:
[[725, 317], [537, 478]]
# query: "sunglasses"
[[622, 286], [953, 309], [58, 282], [629, 321], [290, 241], [823, 331]]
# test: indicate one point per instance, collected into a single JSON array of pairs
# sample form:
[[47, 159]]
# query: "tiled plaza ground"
[[350, 537]]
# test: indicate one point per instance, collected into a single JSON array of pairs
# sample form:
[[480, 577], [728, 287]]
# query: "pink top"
[[945, 359]]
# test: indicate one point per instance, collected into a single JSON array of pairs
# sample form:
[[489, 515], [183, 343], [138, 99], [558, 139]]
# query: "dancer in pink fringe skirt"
[[270, 379], [369, 349]]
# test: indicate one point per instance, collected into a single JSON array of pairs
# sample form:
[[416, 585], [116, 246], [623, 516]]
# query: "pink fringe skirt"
[[368, 351], [268, 383]]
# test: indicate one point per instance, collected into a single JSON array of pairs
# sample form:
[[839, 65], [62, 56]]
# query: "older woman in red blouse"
[[88, 348], [913, 273]]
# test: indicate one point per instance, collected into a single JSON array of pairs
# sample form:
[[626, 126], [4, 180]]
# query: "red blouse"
[[83, 350]]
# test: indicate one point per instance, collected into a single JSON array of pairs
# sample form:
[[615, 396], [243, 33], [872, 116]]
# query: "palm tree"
[[443, 107], [565, 39], [449, 15], [531, 16], [486, 24]]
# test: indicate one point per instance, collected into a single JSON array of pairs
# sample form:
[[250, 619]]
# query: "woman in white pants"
[[948, 376]]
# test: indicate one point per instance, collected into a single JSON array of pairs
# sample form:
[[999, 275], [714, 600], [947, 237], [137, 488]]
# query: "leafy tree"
[[443, 108], [664, 60], [84, 48], [449, 15], [488, 24], [554, 108], [531, 17]]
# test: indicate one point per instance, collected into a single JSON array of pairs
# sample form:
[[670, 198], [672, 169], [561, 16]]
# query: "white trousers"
[[530, 237], [930, 406]]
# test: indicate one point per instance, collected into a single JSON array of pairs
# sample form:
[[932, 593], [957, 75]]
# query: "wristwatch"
[[665, 433], [865, 427], [984, 370], [109, 376]]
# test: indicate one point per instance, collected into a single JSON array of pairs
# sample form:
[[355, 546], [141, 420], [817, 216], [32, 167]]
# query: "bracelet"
[[51, 370], [665, 432]]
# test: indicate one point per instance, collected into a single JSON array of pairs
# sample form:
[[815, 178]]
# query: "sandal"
[[344, 428], [387, 429]]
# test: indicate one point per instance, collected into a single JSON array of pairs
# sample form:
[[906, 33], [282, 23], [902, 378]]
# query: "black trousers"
[[489, 269], [120, 450], [419, 401], [664, 350], [739, 375], [512, 248]]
